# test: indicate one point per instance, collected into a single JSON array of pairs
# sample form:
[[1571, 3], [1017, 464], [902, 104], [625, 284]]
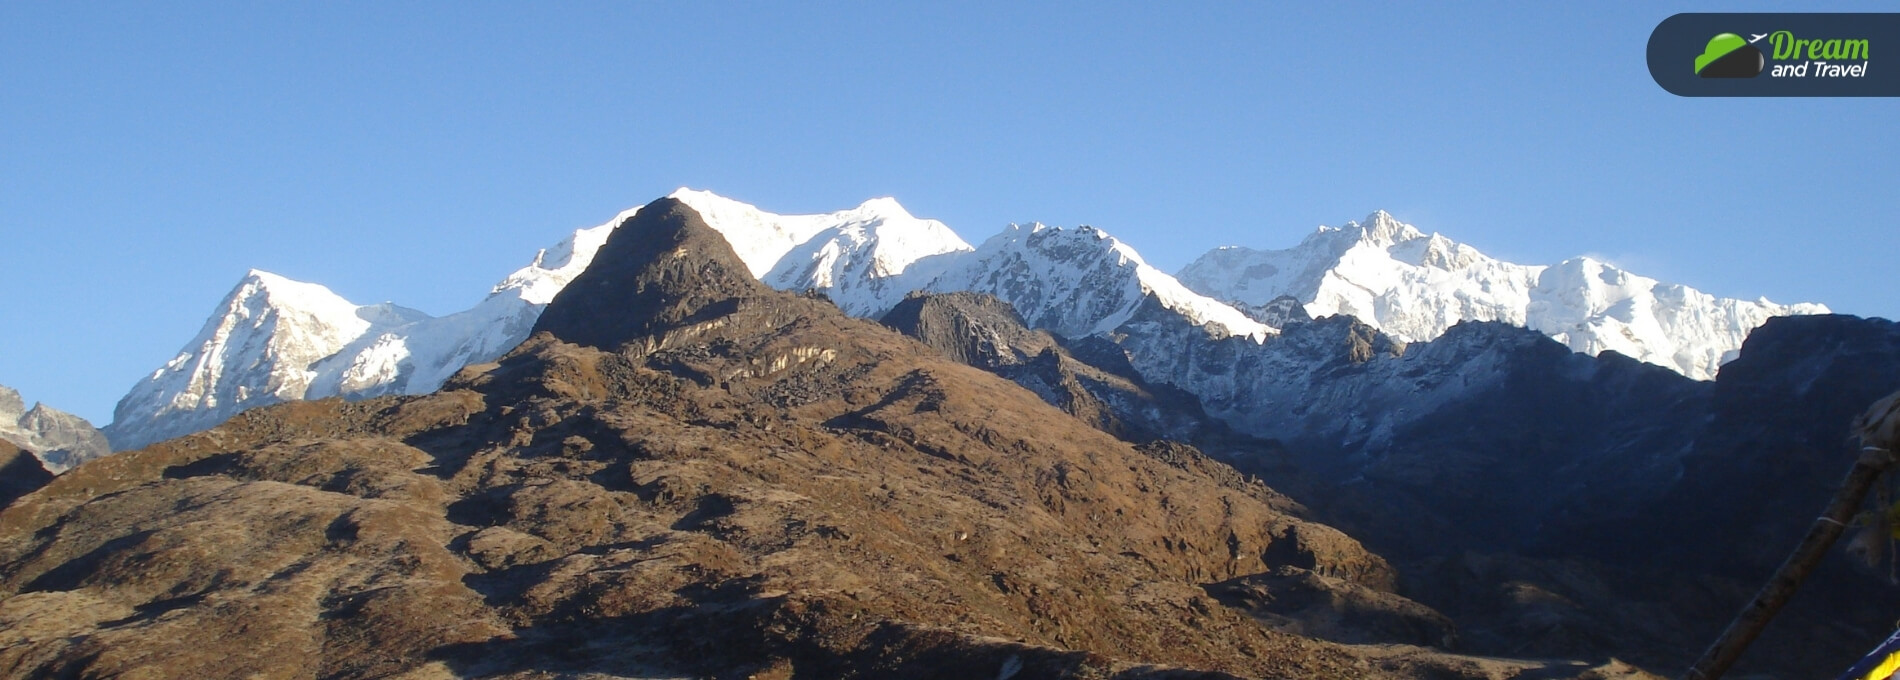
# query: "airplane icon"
[[1752, 37]]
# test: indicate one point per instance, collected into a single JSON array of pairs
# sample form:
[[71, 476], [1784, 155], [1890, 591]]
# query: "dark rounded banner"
[[1777, 55]]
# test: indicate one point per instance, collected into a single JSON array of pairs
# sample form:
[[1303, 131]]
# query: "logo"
[[1787, 54], [1729, 56]]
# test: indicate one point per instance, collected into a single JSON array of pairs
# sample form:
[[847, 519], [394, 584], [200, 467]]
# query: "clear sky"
[[151, 153]]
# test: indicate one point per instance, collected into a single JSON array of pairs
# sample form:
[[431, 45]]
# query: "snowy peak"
[[1381, 230], [865, 258], [1414, 286], [555, 266], [880, 208], [868, 257], [759, 238], [1593, 306], [1080, 281], [273, 338], [255, 349], [260, 291], [261, 295], [1378, 230]]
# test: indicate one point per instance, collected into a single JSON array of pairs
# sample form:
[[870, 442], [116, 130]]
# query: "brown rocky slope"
[[685, 474]]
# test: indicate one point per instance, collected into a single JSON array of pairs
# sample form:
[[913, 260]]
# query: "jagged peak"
[[10, 401], [1049, 231], [42, 413], [1379, 229], [764, 239], [1039, 236], [1380, 217], [1383, 229]]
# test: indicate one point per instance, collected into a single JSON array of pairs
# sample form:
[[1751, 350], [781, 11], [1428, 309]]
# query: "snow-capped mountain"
[[866, 260], [1081, 281], [260, 347], [273, 339], [1414, 286]]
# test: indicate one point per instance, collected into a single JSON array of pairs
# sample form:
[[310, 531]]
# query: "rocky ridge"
[[59, 440], [1090, 378]]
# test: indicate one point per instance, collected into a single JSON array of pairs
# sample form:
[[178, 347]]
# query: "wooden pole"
[[1877, 430]]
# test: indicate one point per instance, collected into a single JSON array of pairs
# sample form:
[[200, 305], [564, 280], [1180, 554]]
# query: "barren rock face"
[[59, 439], [729, 482]]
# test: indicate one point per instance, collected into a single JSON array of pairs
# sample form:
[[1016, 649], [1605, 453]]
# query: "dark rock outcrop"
[[975, 329], [664, 269], [20, 473], [1776, 440], [1279, 312]]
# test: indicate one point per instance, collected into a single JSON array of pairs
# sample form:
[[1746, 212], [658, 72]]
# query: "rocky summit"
[[683, 473], [57, 439]]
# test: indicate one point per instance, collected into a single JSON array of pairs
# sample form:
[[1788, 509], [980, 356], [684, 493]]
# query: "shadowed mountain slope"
[[20, 472], [1089, 378]]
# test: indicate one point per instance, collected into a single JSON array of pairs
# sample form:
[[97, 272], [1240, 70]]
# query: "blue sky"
[[150, 154]]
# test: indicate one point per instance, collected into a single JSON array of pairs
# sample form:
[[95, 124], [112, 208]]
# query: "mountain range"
[[1415, 286], [685, 473], [273, 339], [1047, 459]]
